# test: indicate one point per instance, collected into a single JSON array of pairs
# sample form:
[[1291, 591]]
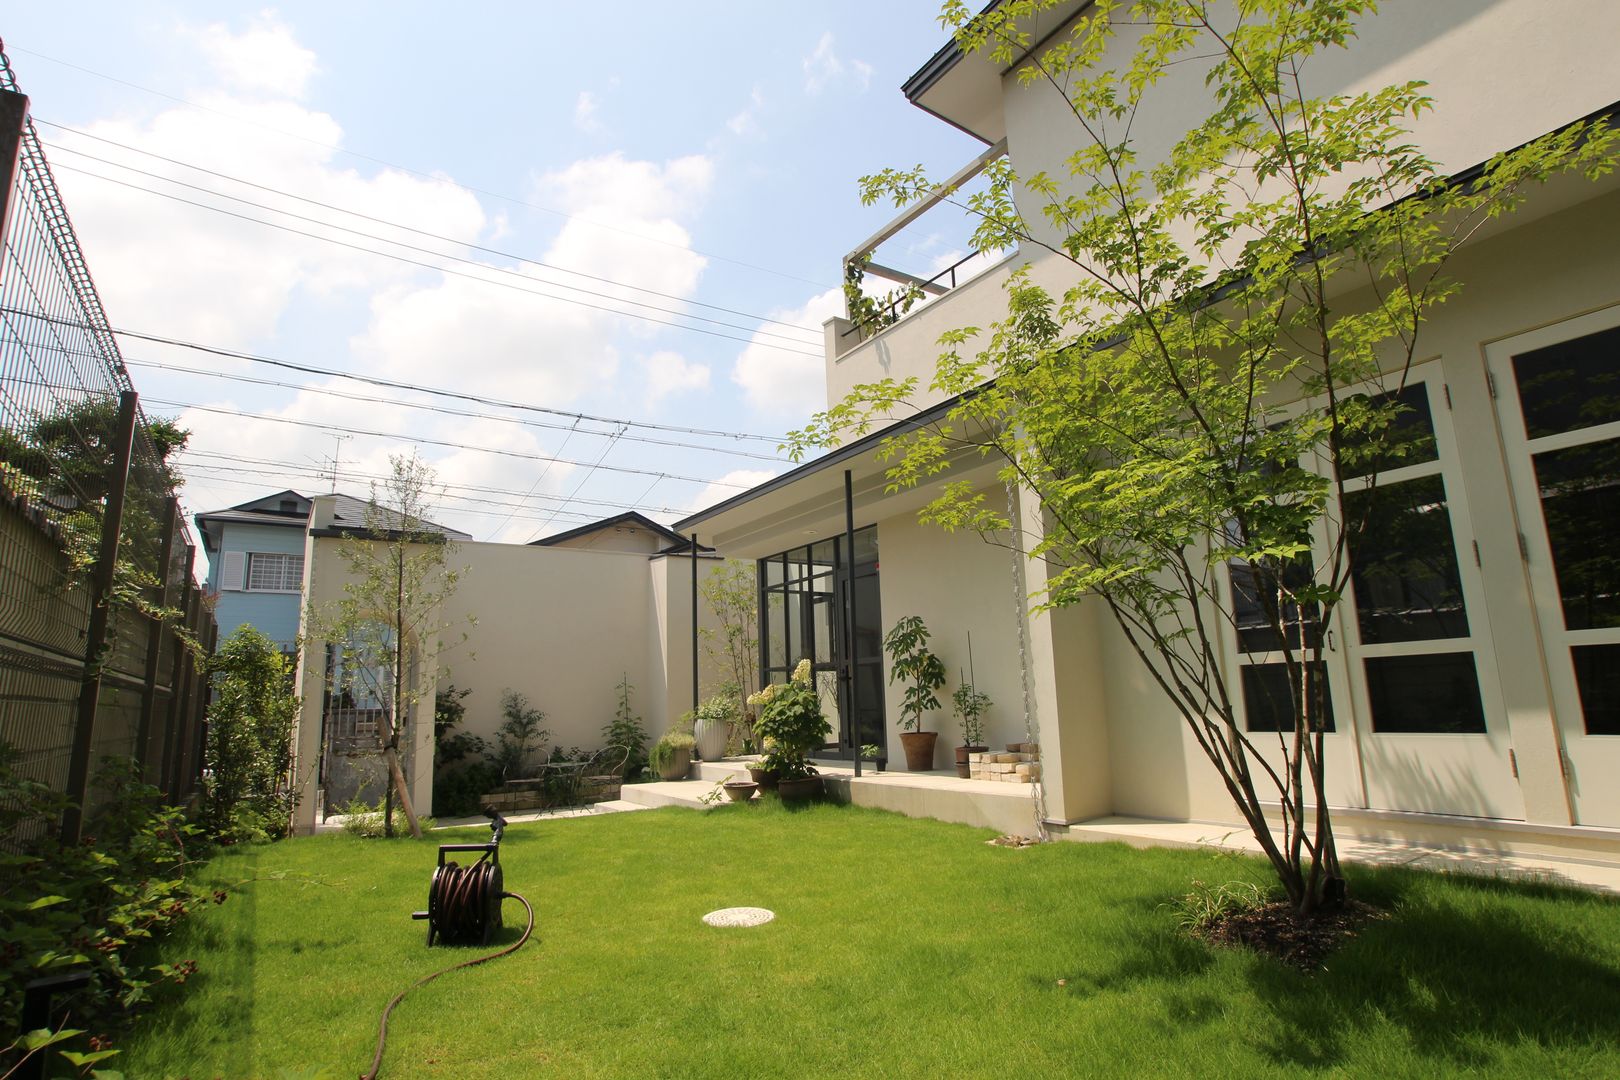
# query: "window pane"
[[1403, 563], [1408, 438], [796, 645], [1255, 595], [866, 545], [1574, 384], [1597, 673], [822, 630], [823, 560], [868, 619], [1436, 694], [774, 629], [1580, 499], [1268, 700], [773, 570]]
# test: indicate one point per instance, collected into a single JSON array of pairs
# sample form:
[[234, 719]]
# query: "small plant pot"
[[740, 790], [765, 778], [962, 753], [799, 790], [677, 767], [919, 749]]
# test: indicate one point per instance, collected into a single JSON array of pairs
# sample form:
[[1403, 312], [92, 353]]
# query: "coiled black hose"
[[460, 901]]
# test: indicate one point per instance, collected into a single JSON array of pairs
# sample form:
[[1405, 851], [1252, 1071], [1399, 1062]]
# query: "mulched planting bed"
[[1275, 930]]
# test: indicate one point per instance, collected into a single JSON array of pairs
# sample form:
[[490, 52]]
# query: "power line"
[[423, 175], [382, 221], [374, 400], [220, 474], [431, 266], [394, 384], [420, 441], [306, 468]]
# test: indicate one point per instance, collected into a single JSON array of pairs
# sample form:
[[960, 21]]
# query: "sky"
[[635, 215]]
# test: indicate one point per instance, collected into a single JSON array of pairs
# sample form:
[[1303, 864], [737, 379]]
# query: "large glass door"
[[1433, 730], [805, 614], [1558, 398]]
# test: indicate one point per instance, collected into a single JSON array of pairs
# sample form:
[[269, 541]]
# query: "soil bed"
[[1275, 930]]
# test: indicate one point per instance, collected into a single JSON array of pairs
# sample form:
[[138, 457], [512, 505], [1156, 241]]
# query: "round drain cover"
[[739, 916]]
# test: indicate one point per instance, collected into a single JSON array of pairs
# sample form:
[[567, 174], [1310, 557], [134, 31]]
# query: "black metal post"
[[694, 622], [36, 1014], [95, 647], [849, 615], [13, 117], [154, 638], [182, 697], [171, 725]]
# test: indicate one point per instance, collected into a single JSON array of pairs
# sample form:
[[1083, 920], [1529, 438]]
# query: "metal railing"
[[102, 629]]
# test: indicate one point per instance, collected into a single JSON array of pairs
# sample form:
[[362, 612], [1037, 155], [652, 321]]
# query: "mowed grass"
[[901, 948]]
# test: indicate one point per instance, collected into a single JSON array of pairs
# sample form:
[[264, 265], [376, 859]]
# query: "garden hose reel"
[[464, 902]]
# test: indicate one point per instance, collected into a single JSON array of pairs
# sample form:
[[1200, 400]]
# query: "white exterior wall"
[[559, 625], [1501, 73]]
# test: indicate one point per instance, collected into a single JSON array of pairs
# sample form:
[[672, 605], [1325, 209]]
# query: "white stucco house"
[[1496, 726]]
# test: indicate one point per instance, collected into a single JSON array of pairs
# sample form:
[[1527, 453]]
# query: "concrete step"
[[687, 793], [710, 771], [615, 806]]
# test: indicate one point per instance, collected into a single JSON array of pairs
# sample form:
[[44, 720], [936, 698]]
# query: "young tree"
[[249, 749], [732, 593], [389, 626], [1242, 318]]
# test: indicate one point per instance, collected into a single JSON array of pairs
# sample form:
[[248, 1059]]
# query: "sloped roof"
[[349, 516], [629, 517]]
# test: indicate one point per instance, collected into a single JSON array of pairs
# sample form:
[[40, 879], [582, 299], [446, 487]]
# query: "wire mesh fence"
[[101, 624]]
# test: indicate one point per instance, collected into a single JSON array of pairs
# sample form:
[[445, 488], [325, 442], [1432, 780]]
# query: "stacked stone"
[[1020, 763]]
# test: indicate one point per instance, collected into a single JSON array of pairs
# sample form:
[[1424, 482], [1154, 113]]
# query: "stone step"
[[687, 793], [616, 806], [710, 771]]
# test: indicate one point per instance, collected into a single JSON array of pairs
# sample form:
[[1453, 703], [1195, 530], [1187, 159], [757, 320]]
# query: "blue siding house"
[[256, 564]]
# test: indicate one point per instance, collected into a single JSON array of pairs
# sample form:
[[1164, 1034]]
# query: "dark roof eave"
[[836, 457]]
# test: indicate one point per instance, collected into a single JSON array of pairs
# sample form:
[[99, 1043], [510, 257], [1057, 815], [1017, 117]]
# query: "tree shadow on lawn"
[[1458, 966]]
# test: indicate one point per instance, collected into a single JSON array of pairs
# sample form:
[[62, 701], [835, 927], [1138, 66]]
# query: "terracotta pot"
[[919, 749], [962, 753], [678, 765], [801, 789], [763, 777], [740, 790]]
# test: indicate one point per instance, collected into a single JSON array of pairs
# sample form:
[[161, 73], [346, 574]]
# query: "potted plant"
[[790, 725], [874, 753], [739, 790], [911, 662], [971, 704], [713, 722], [671, 755]]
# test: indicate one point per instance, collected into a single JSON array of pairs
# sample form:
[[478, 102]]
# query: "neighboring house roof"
[[284, 508], [289, 509], [629, 517], [349, 515]]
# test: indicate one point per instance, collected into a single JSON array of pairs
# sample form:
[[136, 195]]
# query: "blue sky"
[[679, 155]]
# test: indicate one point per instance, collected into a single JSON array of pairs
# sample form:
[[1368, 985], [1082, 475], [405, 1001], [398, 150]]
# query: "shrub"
[[361, 818], [790, 723], [519, 736], [98, 906], [625, 731], [247, 794]]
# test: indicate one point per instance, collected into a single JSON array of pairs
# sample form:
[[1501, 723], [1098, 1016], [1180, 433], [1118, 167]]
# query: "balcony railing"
[[897, 306]]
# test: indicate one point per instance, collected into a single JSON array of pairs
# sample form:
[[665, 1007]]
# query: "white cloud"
[[746, 122], [783, 383], [823, 68], [731, 484], [666, 373], [585, 109], [263, 59]]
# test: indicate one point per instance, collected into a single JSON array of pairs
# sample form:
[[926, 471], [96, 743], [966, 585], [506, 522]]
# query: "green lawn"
[[901, 948]]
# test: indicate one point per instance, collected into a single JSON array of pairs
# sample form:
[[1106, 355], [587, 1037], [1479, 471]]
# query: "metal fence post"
[[13, 114], [174, 728], [78, 784], [154, 637]]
